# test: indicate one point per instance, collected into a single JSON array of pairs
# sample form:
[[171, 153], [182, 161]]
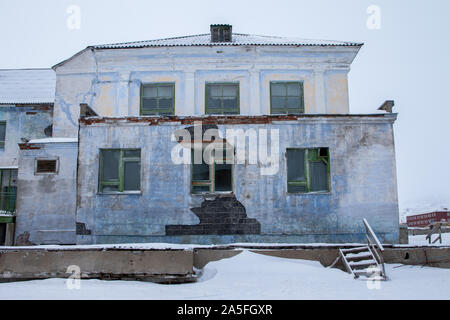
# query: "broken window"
[[308, 170], [2, 135], [46, 166], [222, 98], [213, 177], [158, 99], [120, 170], [8, 190], [286, 98]]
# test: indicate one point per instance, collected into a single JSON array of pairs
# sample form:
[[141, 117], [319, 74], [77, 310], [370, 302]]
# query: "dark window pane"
[[148, 104], [293, 103], [165, 103], [165, 92], [132, 153], [278, 103], [110, 188], [223, 177], [293, 90], [110, 164], [318, 176], [296, 164], [200, 172], [296, 189], [199, 189], [278, 89], [230, 103], [46, 166], [230, 91], [2, 131], [132, 176], [150, 91]]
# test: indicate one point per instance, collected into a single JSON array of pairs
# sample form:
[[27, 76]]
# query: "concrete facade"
[[109, 79], [46, 203], [362, 174]]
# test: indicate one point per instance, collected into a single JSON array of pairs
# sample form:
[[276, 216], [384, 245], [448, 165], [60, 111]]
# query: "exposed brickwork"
[[81, 229], [221, 216]]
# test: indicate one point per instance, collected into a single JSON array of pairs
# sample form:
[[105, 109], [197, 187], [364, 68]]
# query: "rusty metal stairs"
[[365, 261]]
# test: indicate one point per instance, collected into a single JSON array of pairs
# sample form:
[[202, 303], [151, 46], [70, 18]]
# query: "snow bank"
[[252, 276]]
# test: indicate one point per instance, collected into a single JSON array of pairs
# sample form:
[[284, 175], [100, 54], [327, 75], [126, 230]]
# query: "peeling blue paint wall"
[[363, 185], [28, 122]]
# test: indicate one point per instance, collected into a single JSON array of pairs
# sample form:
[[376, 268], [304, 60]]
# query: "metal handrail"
[[374, 245]]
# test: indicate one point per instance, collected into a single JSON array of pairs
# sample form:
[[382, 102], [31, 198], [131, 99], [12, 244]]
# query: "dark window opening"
[[214, 177], [2, 135], [221, 33], [46, 166], [120, 170], [308, 170]]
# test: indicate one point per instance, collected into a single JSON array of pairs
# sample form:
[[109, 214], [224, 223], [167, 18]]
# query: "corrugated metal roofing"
[[238, 39], [27, 86]]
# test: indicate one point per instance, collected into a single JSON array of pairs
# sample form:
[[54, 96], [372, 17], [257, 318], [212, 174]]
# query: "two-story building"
[[213, 138]]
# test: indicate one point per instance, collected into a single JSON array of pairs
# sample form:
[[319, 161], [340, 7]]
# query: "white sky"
[[407, 60]]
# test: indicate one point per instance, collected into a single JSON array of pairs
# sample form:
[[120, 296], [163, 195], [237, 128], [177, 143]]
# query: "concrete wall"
[[46, 203], [166, 266], [110, 80], [363, 185], [28, 122]]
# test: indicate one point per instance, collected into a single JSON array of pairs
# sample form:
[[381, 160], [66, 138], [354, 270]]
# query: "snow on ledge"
[[54, 140]]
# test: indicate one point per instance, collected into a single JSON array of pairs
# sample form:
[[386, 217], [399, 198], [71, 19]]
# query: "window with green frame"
[[222, 98], [158, 99], [308, 170], [120, 170], [286, 98], [2, 135], [213, 177]]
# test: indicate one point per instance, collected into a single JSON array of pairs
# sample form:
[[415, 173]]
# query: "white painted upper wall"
[[109, 80]]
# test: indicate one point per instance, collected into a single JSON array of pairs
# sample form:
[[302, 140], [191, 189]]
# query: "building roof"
[[238, 39], [27, 86]]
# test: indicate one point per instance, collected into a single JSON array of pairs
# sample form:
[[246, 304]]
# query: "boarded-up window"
[[158, 99], [2, 135], [120, 170], [222, 98], [286, 97], [213, 177], [308, 170]]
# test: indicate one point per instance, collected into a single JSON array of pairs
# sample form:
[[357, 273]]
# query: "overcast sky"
[[407, 59]]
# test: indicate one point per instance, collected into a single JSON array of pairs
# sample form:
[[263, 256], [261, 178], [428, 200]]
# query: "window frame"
[[302, 98], [36, 160], [212, 175], [307, 160], [3, 143], [121, 174], [238, 84], [156, 84]]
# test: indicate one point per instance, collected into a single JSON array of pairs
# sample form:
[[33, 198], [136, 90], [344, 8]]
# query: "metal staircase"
[[366, 260]]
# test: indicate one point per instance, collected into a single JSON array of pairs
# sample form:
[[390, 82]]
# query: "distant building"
[[424, 220], [130, 119]]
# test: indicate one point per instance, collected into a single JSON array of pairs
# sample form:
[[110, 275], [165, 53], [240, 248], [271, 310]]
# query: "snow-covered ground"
[[252, 276], [420, 240]]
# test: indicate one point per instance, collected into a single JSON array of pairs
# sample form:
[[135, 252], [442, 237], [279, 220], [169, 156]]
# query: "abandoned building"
[[127, 120]]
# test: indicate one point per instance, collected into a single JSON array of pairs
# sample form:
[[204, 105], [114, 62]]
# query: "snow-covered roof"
[[27, 86], [238, 39]]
